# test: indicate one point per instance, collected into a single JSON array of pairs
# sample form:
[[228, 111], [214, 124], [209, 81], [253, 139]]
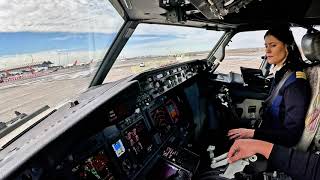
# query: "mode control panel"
[[155, 84]]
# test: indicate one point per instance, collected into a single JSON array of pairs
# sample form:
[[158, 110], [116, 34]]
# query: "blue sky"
[[145, 41], [13, 43]]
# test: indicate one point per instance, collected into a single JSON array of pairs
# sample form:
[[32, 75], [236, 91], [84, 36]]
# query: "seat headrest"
[[311, 46]]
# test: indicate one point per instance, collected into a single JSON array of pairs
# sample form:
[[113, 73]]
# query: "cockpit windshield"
[[50, 50], [154, 46]]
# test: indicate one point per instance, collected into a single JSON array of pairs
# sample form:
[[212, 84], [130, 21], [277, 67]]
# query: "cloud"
[[58, 16], [62, 38], [256, 38], [182, 39], [68, 37], [187, 39]]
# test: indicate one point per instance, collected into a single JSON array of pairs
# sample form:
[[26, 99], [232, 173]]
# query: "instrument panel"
[[135, 137]]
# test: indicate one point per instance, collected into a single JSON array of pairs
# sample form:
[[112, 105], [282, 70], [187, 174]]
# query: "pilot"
[[296, 164], [285, 108]]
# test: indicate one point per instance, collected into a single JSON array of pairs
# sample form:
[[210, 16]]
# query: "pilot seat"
[[310, 139]]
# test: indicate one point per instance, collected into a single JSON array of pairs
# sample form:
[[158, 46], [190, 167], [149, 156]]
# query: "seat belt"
[[274, 93], [276, 90]]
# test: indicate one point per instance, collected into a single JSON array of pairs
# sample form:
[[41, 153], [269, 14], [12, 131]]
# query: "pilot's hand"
[[241, 133], [244, 148]]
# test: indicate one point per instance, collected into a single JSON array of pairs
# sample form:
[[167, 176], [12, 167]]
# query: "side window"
[[244, 50]]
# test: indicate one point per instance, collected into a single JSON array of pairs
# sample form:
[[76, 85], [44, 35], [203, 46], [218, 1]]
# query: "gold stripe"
[[301, 77]]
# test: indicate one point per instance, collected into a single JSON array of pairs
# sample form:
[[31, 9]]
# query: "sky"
[[13, 43], [62, 31]]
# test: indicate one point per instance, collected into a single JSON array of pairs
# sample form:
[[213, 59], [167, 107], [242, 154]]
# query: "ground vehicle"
[[142, 64], [171, 103]]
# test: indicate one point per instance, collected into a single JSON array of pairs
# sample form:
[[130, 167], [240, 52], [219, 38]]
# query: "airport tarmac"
[[29, 95]]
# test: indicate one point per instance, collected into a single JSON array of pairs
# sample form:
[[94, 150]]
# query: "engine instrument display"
[[173, 111], [161, 121], [165, 118]]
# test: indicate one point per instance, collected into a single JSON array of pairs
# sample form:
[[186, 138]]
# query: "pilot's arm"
[[298, 165]]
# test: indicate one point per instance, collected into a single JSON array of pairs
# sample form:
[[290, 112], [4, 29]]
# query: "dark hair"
[[284, 34]]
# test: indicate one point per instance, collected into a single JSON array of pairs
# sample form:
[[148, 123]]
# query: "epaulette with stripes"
[[301, 75]]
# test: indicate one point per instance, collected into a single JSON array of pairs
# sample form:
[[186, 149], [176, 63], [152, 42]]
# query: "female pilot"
[[286, 106]]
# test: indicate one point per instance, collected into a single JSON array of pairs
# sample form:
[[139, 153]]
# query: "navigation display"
[[118, 148], [96, 166]]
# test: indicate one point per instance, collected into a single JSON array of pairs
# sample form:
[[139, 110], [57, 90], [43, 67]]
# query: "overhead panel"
[[217, 9]]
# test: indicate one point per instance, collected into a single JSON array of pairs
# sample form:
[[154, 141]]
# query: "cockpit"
[[128, 89]]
